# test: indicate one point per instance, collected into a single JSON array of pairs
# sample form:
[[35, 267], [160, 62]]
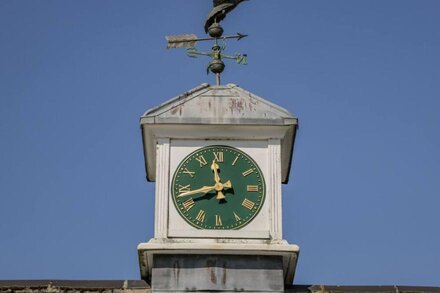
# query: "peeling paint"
[[236, 105]]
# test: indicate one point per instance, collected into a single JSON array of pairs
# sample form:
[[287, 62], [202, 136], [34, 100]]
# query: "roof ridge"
[[179, 97]]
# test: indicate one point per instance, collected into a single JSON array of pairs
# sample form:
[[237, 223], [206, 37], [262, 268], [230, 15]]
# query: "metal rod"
[[240, 36], [217, 78]]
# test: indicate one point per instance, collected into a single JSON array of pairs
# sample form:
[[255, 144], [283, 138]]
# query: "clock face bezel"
[[235, 197]]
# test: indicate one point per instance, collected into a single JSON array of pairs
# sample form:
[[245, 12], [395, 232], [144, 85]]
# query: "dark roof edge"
[[179, 97], [75, 284], [99, 285]]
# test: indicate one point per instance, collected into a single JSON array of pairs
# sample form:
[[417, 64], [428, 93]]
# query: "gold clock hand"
[[215, 167], [204, 189], [220, 195], [218, 184], [227, 184], [220, 187]]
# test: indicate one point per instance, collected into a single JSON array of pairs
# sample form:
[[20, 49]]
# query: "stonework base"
[[219, 273], [171, 266]]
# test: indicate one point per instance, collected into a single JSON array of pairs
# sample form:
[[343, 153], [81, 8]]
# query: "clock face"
[[218, 187]]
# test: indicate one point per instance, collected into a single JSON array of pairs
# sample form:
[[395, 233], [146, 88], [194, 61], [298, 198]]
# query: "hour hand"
[[220, 187], [204, 189], [227, 184], [215, 167]]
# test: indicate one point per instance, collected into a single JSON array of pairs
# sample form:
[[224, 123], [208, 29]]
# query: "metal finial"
[[215, 31]]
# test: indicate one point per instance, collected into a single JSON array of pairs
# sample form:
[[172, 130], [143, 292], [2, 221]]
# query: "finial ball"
[[215, 30], [216, 66]]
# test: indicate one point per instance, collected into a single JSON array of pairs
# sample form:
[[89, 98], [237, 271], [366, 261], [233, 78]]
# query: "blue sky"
[[362, 76]]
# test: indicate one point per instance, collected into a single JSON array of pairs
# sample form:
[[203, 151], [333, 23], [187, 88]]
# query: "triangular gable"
[[228, 104]]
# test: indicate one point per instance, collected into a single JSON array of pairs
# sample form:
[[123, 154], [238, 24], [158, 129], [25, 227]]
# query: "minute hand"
[[204, 189]]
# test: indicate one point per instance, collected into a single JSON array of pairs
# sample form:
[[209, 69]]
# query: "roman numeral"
[[202, 161], [248, 172], [186, 171], [218, 220], [201, 216], [235, 161], [248, 204], [218, 156], [252, 188], [189, 204], [237, 218], [183, 189]]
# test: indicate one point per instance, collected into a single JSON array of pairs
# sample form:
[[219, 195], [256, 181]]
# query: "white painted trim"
[[274, 156], [180, 233], [162, 183]]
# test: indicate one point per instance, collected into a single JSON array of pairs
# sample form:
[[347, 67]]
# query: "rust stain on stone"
[[204, 106], [253, 103], [211, 270], [176, 271], [224, 275], [213, 276], [236, 105]]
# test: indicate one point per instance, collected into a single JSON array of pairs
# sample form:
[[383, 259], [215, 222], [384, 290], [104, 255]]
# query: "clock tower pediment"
[[228, 104]]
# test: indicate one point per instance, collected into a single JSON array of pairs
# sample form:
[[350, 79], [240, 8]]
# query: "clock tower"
[[218, 155]]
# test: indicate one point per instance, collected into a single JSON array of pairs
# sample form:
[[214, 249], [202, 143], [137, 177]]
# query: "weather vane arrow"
[[190, 40], [212, 27]]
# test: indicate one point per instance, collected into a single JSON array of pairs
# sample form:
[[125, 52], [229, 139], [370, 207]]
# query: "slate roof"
[[71, 286], [139, 286]]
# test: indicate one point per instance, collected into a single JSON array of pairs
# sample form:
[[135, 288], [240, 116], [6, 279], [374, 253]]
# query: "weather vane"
[[215, 31]]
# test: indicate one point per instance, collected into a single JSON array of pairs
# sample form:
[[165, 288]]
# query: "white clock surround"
[[266, 225]]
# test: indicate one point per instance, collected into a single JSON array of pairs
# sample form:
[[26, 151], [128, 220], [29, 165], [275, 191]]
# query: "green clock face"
[[218, 187]]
